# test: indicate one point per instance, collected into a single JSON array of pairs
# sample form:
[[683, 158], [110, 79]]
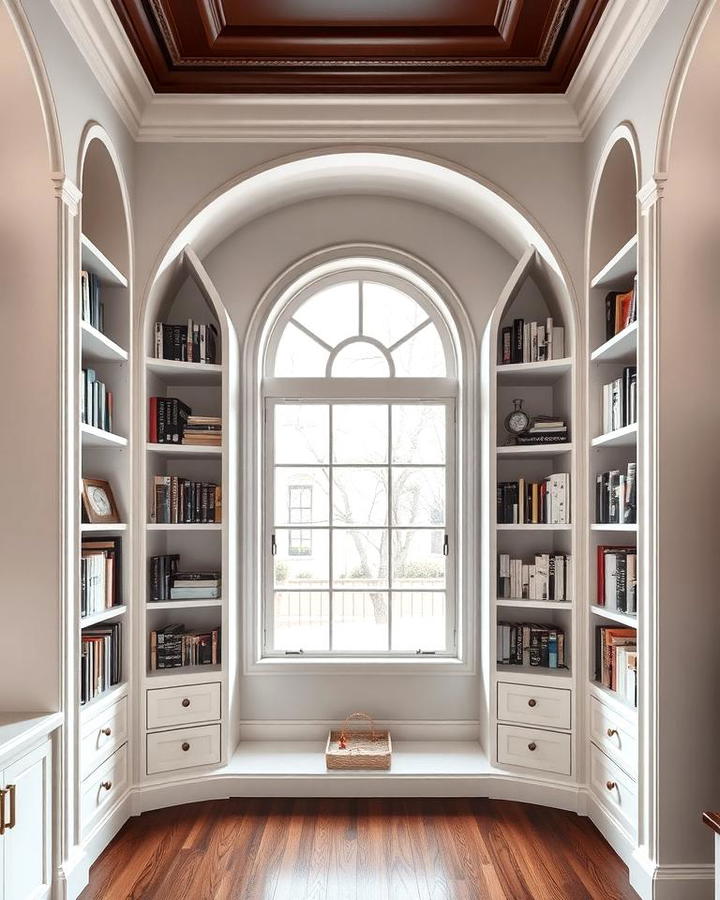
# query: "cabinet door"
[[28, 835]]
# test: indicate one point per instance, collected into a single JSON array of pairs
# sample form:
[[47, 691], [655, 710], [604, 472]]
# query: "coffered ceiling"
[[359, 46]]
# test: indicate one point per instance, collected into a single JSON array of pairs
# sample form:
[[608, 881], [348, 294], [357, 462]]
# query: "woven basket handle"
[[360, 717]]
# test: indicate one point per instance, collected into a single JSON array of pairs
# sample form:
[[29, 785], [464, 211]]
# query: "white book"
[[533, 342], [542, 576], [611, 581], [558, 341], [525, 594], [631, 580], [559, 592], [606, 409], [532, 592], [526, 342], [549, 338], [541, 345]]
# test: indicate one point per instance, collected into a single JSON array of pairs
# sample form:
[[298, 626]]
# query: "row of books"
[[100, 659], [524, 502], [203, 431], [620, 401], [167, 583], [525, 342], [167, 419], [100, 573], [191, 342], [178, 500], [544, 430], [91, 309], [620, 311], [615, 496], [616, 661], [617, 578], [172, 647], [96, 401], [548, 578], [527, 644]]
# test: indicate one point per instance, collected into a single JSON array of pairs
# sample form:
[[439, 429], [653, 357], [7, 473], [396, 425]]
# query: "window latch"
[[425, 652], [273, 545], [294, 652], [446, 546]]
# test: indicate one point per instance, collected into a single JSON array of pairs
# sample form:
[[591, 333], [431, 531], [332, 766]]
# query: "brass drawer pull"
[[612, 732], [185, 746], [532, 746], [11, 791], [2, 811], [185, 703], [106, 784], [106, 731], [610, 785], [532, 702]]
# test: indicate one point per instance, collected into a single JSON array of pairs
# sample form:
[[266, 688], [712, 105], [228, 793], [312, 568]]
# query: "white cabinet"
[[25, 842]]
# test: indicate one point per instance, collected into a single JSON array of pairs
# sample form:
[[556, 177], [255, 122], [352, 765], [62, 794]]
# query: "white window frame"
[[347, 390]]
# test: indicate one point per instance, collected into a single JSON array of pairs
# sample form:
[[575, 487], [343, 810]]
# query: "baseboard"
[[72, 876], [400, 729], [614, 832], [683, 882]]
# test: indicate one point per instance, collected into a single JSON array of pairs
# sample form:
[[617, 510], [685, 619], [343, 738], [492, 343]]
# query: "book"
[[620, 311], [173, 647], [620, 401], [178, 500], [189, 342], [92, 309], [530, 644], [615, 496], [525, 342], [534, 503], [96, 402], [543, 578], [100, 575], [614, 645], [100, 659]]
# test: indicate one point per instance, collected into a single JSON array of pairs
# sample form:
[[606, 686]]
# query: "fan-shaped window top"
[[361, 328]]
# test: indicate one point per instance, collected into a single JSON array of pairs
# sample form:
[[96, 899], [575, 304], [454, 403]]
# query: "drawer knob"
[[185, 746], [106, 731], [107, 785], [532, 746], [185, 702], [532, 702], [610, 785], [612, 732]]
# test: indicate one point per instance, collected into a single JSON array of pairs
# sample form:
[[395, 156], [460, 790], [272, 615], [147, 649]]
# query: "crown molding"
[[96, 29]]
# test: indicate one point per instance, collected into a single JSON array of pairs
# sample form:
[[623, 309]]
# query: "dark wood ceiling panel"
[[364, 46]]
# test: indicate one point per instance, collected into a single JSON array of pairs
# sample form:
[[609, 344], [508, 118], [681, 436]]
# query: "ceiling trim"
[[96, 29]]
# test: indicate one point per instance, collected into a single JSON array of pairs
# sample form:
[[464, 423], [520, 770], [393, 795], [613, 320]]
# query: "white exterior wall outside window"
[[360, 391]]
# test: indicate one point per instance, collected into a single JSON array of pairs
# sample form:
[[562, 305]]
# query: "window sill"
[[443, 665]]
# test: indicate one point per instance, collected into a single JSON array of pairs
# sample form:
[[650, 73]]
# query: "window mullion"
[[331, 500], [389, 525]]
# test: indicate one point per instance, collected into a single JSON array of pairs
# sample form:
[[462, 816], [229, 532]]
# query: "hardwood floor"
[[248, 849]]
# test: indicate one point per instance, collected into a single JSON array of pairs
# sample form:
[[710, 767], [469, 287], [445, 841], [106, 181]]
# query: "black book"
[[621, 581], [610, 315], [506, 345], [517, 340]]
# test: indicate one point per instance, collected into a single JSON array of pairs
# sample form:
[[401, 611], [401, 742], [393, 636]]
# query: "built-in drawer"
[[613, 788], [103, 787], [183, 748], [101, 735], [188, 704], [534, 748], [528, 704], [615, 735]]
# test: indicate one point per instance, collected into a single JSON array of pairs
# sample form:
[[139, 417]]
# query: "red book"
[[152, 424]]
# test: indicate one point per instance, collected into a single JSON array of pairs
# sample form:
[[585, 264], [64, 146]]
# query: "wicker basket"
[[363, 749]]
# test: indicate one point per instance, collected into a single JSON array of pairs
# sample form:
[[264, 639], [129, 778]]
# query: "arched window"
[[360, 388]]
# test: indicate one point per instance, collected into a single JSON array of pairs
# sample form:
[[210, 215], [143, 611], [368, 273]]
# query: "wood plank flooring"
[[284, 849]]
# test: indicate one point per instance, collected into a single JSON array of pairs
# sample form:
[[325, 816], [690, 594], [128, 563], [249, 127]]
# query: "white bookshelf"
[[612, 265], [207, 389], [97, 438], [547, 388]]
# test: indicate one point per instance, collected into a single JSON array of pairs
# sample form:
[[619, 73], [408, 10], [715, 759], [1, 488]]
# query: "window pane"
[[418, 496], [299, 356], [360, 496], [389, 314], [360, 433], [333, 313], [418, 561], [418, 433], [421, 356], [360, 621], [302, 560], [418, 621], [302, 433], [360, 558], [360, 360], [301, 496], [301, 620]]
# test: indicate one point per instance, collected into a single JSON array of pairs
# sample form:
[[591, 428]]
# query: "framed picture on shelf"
[[98, 502]]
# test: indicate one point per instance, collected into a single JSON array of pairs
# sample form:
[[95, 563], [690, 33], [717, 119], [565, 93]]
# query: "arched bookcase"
[[614, 595], [530, 671], [187, 711]]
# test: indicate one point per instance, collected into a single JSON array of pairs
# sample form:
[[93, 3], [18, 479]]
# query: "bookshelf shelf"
[[93, 528], [541, 450], [97, 438], [620, 268], [97, 347], [600, 526], [515, 603], [94, 260], [170, 371], [611, 698], [184, 674], [534, 527], [182, 604], [621, 348], [621, 437], [111, 695], [183, 526], [537, 373], [507, 672], [95, 619], [174, 450], [615, 616]]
